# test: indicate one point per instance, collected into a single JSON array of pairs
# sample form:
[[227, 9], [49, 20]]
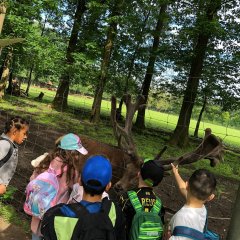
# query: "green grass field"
[[148, 144], [154, 119]]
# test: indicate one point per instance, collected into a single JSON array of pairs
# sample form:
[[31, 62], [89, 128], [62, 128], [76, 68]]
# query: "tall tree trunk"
[[200, 116], [10, 85], [2, 14], [32, 64], [234, 229], [60, 99], [2, 17], [5, 73], [131, 66], [140, 121], [29, 79], [181, 132], [112, 31]]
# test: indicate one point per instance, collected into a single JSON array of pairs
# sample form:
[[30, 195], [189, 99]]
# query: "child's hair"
[[71, 158], [17, 122], [202, 184], [92, 191]]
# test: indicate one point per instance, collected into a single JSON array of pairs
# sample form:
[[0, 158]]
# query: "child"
[[92, 218], [198, 190], [149, 176], [15, 132], [65, 161]]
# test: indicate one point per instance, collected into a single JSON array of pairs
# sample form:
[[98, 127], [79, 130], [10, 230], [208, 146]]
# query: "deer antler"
[[124, 134]]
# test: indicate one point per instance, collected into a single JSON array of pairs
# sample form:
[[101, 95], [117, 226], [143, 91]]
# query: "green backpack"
[[145, 225]]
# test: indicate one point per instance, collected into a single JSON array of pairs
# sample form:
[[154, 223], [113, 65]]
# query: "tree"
[[204, 22], [102, 79], [61, 96], [140, 121]]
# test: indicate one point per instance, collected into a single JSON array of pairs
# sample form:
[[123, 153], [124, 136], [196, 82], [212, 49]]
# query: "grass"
[[9, 213], [154, 119], [149, 142]]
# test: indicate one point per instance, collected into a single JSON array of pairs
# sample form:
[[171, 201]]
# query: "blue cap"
[[97, 168]]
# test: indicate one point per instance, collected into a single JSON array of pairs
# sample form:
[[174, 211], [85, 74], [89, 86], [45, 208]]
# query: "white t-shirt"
[[188, 217]]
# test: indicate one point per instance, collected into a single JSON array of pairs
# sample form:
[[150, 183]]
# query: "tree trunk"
[[2, 14], [131, 67], [140, 121], [112, 31], [181, 132], [10, 85], [5, 73], [234, 230], [29, 79], [3, 10], [60, 99], [200, 116]]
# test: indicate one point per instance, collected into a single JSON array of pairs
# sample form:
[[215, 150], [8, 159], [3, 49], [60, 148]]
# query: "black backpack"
[[84, 226], [9, 154]]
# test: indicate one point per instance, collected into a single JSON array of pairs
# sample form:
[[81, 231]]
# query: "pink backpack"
[[41, 194]]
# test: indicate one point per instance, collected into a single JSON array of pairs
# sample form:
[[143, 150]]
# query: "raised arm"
[[180, 182]]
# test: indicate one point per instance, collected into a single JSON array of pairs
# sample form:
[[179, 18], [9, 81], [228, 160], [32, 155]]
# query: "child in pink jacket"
[[64, 161]]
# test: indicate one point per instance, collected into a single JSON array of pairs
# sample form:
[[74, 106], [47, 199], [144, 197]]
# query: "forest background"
[[182, 56]]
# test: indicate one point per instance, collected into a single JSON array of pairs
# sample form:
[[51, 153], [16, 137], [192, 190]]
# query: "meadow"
[[149, 142]]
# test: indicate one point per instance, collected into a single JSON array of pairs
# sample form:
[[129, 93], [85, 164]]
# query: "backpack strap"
[[9, 154], [187, 232], [157, 206], [107, 206], [138, 206], [135, 201]]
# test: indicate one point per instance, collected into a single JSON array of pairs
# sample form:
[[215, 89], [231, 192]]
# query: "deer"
[[211, 147]]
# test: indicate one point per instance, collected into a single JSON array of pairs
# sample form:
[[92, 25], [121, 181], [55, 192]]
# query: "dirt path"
[[11, 232]]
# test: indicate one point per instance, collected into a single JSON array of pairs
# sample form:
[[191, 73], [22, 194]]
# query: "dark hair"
[[17, 122], [92, 191], [202, 184]]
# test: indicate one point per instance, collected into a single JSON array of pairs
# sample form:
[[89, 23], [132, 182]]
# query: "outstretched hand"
[[174, 169]]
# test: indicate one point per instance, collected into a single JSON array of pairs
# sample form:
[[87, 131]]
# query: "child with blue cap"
[[97, 218]]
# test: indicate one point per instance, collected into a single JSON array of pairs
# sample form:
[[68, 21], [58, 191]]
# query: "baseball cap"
[[71, 141], [152, 172], [99, 169]]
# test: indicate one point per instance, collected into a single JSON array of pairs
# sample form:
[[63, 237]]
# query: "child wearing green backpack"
[[142, 208]]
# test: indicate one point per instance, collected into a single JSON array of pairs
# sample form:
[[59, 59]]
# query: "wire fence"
[[42, 137]]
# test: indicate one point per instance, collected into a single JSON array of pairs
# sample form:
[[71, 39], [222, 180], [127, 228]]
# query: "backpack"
[[9, 154], [79, 224], [192, 233], [145, 225], [41, 194], [195, 234]]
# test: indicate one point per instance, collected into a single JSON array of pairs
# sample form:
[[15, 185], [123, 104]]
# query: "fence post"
[[234, 229]]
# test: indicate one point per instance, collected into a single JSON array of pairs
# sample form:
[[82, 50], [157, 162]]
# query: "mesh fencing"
[[42, 137]]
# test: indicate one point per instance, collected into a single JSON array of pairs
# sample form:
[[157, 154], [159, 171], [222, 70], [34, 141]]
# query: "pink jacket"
[[63, 194]]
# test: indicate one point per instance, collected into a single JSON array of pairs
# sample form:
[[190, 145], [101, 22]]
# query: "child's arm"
[[181, 184]]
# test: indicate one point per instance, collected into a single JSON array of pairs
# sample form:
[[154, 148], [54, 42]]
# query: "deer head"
[[211, 147]]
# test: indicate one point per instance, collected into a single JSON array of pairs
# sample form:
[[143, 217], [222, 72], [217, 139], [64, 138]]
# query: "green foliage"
[[9, 213], [8, 195]]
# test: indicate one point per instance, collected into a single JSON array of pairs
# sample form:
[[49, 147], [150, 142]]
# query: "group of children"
[[82, 208]]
